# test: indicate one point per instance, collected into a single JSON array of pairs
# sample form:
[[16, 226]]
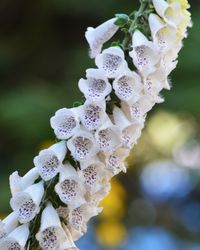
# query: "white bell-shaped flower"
[[78, 218], [169, 60], [49, 161], [8, 224], [164, 36], [16, 240], [93, 115], [69, 188], [136, 112], [97, 197], [27, 203], [112, 62], [130, 132], [96, 87], [108, 137], [96, 37], [65, 123], [145, 54], [128, 86], [170, 12], [115, 162], [155, 82], [82, 145], [70, 238], [92, 174], [51, 235], [18, 183]]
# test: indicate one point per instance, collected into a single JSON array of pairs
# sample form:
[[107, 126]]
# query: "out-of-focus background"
[[43, 54]]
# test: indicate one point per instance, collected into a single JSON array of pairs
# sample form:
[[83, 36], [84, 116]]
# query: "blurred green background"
[[43, 54]]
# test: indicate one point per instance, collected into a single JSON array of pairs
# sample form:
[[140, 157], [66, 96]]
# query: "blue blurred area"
[[190, 216], [152, 238], [165, 180]]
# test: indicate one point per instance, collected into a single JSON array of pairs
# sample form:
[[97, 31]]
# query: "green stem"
[[34, 225], [133, 26]]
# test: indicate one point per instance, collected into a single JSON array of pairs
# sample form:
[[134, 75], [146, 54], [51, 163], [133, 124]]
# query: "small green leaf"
[[122, 19], [125, 30], [77, 104], [116, 43], [132, 15]]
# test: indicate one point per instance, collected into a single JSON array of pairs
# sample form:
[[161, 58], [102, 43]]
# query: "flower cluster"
[[54, 201]]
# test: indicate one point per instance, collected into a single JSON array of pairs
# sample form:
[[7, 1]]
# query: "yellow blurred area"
[[114, 203], [45, 144], [164, 131], [167, 130], [110, 233], [2, 216]]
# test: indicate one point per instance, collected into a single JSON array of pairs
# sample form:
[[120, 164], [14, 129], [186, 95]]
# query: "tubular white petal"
[[136, 112], [171, 13], [115, 162], [139, 39], [26, 203], [93, 160], [93, 115], [21, 234], [155, 24], [96, 198], [128, 86], [17, 239], [8, 224], [120, 118], [49, 218], [49, 161], [163, 35], [60, 150], [67, 171], [18, 183], [93, 175], [82, 146], [36, 192], [69, 188], [130, 132], [153, 85], [96, 73], [108, 137], [96, 87], [65, 123], [69, 245], [98, 36], [167, 65], [112, 62], [160, 6], [174, 14], [144, 54], [51, 235], [79, 217]]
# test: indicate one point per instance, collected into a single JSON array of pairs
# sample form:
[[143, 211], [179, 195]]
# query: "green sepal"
[[121, 20], [125, 30], [77, 104], [116, 43], [132, 15]]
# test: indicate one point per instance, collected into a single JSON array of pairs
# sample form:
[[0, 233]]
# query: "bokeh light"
[[164, 180]]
